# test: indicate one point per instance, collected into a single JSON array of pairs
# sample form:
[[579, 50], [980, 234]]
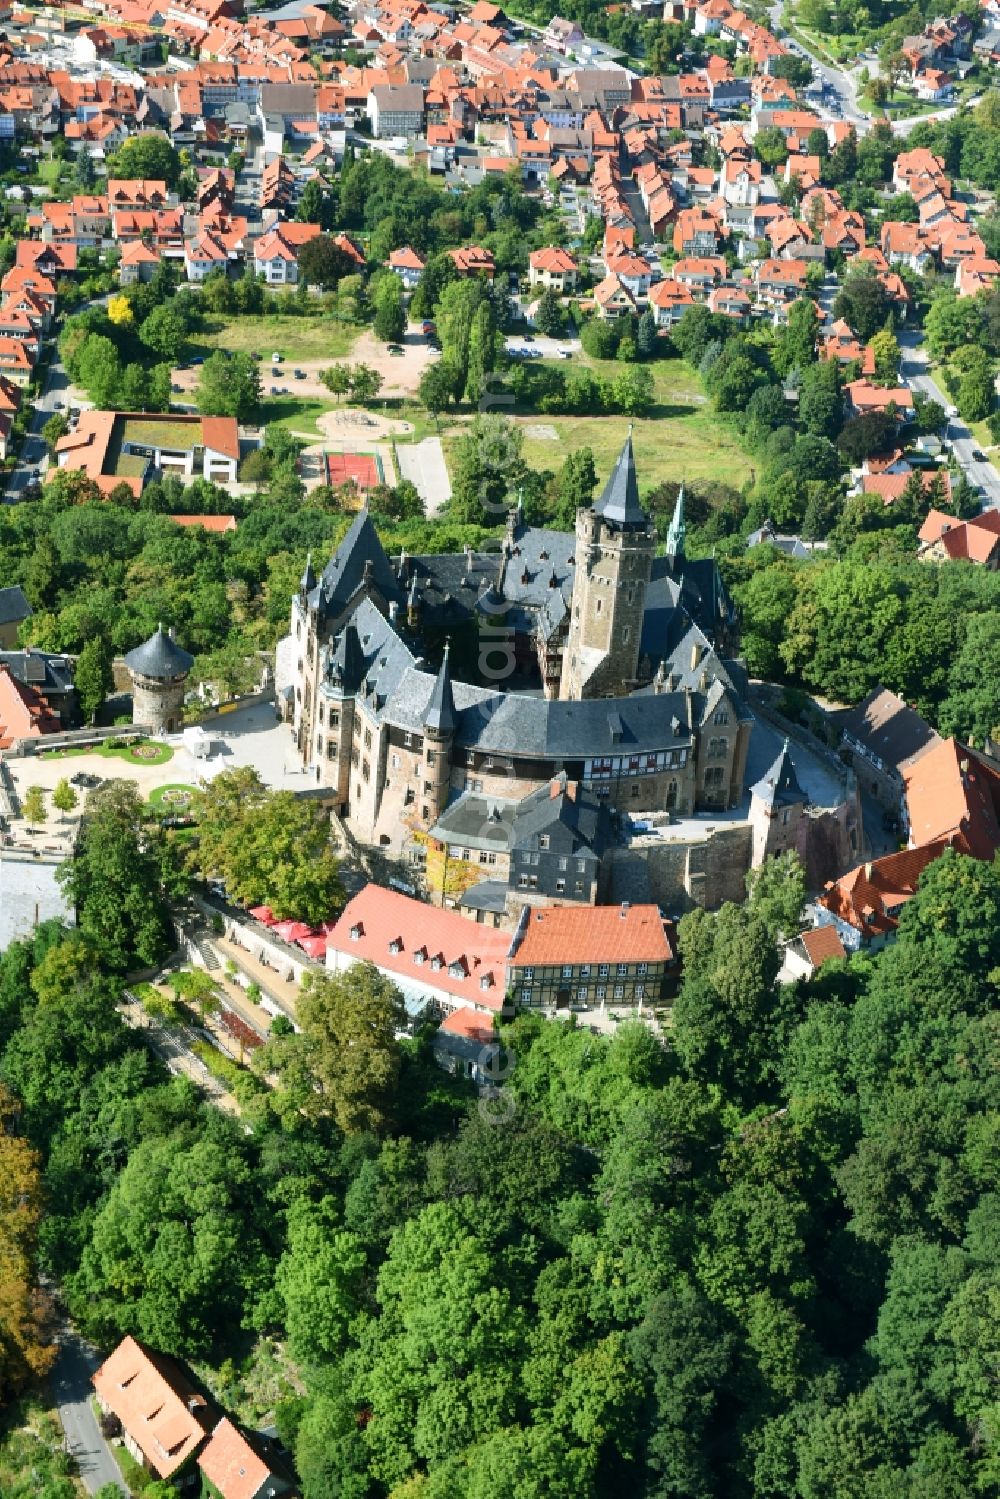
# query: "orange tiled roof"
[[162, 1413], [598, 934]]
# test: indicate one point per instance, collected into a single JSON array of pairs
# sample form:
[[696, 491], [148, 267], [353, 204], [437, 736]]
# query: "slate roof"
[[619, 500], [345, 572], [439, 715], [159, 657], [13, 606], [780, 786], [888, 728], [579, 810]]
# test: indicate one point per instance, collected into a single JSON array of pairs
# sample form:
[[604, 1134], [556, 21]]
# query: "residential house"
[[238, 1466], [408, 266], [906, 245], [554, 268], [465, 1043], [945, 538], [781, 281], [17, 361], [730, 301], [863, 397], [474, 260], [669, 301], [396, 109], [276, 253], [164, 1419], [138, 262], [131, 448], [953, 795], [613, 299], [809, 951]]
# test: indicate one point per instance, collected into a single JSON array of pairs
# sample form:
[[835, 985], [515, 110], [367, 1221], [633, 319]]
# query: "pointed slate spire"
[[439, 716], [308, 582], [678, 529], [780, 786], [619, 501]]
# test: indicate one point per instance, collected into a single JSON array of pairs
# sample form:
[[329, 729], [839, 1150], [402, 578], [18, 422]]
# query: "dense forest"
[[755, 1256]]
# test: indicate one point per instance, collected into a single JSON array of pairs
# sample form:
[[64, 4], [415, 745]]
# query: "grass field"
[[682, 438], [294, 338], [294, 413]]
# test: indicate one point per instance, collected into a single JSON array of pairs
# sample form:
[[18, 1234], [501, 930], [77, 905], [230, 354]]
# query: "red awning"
[[263, 914], [314, 946], [293, 931]]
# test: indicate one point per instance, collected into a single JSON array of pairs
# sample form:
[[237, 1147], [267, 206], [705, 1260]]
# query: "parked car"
[[299, 374], [200, 360], [978, 456], [275, 358], [395, 349]]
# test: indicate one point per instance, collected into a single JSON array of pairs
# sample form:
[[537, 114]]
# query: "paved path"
[[423, 464], [913, 367], [71, 1387]]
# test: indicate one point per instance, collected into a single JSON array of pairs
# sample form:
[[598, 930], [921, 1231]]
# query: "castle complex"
[[613, 676]]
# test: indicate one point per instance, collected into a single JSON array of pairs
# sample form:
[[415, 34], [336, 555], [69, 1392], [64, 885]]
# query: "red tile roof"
[[953, 794], [822, 944], [871, 896], [436, 948], [229, 1461], [161, 1411], [598, 934]]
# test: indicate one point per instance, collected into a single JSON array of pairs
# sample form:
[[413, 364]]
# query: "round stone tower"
[[159, 670]]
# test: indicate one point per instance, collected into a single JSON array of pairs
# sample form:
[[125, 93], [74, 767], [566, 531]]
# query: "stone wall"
[[679, 874]]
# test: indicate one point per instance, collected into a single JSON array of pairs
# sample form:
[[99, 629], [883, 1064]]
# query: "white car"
[[275, 358]]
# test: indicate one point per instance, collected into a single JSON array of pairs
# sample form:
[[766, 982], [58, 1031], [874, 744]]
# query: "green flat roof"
[[155, 433]]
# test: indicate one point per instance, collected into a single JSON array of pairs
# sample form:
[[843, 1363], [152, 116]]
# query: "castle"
[[611, 672]]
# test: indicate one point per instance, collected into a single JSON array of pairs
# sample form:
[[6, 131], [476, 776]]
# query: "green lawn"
[[294, 338], [143, 752], [681, 439], [295, 414]]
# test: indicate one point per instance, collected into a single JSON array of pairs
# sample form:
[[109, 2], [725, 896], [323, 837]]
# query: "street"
[[839, 81], [913, 368], [71, 1387], [53, 394]]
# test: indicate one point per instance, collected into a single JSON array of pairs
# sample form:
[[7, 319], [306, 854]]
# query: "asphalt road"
[[841, 85], [70, 1381], [913, 368], [33, 449]]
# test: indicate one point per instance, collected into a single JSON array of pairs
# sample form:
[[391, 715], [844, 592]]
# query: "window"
[[643, 968], [579, 887], [640, 991], [567, 970], [721, 717], [334, 718], [581, 995], [602, 971], [491, 858], [563, 863], [625, 635], [581, 865], [368, 738], [366, 773], [636, 788], [599, 603], [714, 775], [522, 881], [672, 794], [560, 886], [718, 749], [430, 757], [533, 882], [601, 992], [331, 750], [619, 991], [395, 762], [543, 841], [529, 975], [622, 970], [408, 740], [319, 744], [526, 996]]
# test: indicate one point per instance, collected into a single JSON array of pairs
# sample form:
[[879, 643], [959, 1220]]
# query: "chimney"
[[695, 654], [571, 789], [623, 913], [393, 611], [964, 767], [868, 871]]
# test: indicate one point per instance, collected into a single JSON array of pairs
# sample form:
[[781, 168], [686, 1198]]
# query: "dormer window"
[[396, 945], [456, 970], [437, 962], [420, 955], [486, 982], [357, 931]]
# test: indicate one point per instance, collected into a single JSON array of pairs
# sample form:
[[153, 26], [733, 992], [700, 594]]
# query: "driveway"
[[71, 1387], [913, 368]]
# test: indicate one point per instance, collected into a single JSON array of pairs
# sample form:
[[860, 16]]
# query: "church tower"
[[615, 543]]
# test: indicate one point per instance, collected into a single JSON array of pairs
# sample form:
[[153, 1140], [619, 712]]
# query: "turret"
[[439, 732], [413, 606], [308, 580]]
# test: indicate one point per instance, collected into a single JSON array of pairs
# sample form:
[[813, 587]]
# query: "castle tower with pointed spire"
[[615, 543], [439, 733], [777, 803]]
